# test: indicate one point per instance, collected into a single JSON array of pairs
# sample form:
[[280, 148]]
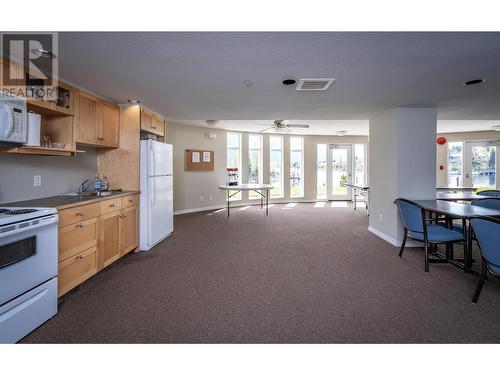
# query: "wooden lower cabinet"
[[75, 270], [109, 239], [87, 245], [129, 235]]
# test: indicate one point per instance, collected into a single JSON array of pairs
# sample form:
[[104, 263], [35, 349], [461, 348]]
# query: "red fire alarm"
[[441, 140]]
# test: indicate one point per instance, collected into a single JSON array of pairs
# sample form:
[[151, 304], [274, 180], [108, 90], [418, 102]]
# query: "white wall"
[[190, 186], [402, 158]]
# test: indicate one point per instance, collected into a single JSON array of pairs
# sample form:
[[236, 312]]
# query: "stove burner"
[[3, 210], [20, 212]]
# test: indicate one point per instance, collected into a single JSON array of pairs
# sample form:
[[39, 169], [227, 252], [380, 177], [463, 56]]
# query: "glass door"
[[480, 165], [339, 172]]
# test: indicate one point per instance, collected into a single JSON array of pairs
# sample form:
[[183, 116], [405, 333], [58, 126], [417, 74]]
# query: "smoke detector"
[[341, 133], [314, 84]]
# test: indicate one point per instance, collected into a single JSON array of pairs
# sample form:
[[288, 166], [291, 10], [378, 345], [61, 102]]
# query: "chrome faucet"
[[82, 186]]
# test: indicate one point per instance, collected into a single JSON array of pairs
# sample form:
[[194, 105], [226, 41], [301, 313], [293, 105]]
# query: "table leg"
[[261, 202], [354, 192], [228, 200], [267, 202], [466, 245]]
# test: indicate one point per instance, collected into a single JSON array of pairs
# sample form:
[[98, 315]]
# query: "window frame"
[[281, 179], [260, 166], [302, 171], [238, 196]]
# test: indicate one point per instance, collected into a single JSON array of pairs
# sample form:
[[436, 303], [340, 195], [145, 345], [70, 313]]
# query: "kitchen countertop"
[[61, 201]]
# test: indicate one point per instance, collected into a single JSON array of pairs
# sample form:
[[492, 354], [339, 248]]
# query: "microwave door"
[[6, 122]]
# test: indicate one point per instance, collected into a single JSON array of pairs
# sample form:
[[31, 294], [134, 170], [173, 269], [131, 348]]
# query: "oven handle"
[[42, 223]]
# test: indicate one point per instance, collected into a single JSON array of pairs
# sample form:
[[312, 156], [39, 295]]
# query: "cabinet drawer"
[[75, 238], [131, 200], [77, 214], [75, 270], [111, 205]]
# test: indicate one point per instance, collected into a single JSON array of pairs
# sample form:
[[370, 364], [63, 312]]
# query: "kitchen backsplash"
[[58, 174]]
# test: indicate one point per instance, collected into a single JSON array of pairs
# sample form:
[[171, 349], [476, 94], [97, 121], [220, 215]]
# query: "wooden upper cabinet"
[[86, 124], [97, 122], [152, 123], [146, 120], [108, 126]]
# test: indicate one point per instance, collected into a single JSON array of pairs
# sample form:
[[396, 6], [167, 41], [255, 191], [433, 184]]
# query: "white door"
[[339, 172], [160, 210], [160, 159], [480, 165]]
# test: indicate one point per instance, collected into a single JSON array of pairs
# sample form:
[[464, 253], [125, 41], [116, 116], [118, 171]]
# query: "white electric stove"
[[28, 270]]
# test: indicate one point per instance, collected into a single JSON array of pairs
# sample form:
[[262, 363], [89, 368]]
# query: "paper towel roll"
[[34, 122]]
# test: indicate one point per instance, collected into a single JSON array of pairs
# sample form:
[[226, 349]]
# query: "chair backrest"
[[490, 193], [487, 232], [412, 215], [487, 203]]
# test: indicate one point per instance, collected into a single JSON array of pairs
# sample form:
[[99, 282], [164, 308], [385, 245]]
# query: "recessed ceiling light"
[[474, 82], [340, 133], [289, 81], [44, 53], [247, 83], [133, 101]]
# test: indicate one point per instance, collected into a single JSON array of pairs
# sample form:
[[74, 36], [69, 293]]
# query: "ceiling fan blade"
[[265, 129], [303, 126]]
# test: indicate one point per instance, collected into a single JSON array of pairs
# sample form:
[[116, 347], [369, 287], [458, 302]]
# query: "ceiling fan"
[[280, 125]]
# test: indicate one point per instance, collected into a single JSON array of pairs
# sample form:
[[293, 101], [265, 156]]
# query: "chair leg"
[[484, 269], [405, 235], [426, 255]]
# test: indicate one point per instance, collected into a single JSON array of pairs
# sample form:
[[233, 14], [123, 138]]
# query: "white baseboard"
[[392, 241]]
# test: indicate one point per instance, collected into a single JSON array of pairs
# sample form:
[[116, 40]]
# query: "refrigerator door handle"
[[153, 191], [152, 163]]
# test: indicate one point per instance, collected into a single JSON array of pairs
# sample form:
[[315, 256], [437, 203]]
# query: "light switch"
[[37, 180]]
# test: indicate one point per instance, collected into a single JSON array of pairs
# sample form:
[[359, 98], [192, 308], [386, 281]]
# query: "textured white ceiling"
[[197, 76]]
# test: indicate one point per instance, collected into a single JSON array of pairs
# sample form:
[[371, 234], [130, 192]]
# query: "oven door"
[[28, 256]]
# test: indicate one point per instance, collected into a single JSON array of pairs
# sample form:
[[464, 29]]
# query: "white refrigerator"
[[156, 209]]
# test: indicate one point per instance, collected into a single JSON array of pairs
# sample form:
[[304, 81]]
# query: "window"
[[455, 166], [276, 165], [359, 164], [484, 167], [234, 156], [296, 167], [254, 162], [321, 171]]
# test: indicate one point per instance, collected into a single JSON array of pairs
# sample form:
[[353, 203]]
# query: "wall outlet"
[[380, 218], [37, 180], [210, 197], [201, 198]]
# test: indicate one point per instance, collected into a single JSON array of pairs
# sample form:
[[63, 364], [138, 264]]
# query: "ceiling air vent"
[[314, 84]]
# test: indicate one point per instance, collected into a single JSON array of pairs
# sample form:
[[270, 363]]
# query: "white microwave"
[[13, 119]]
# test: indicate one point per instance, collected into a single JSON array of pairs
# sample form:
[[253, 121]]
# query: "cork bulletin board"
[[198, 160]]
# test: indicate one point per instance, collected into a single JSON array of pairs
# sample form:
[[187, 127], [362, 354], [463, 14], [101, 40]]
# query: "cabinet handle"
[[111, 205], [80, 257], [100, 139], [80, 213], [123, 216], [80, 225], [153, 127]]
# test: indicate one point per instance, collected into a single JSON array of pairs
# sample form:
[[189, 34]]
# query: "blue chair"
[[487, 232], [492, 202], [490, 193], [418, 228]]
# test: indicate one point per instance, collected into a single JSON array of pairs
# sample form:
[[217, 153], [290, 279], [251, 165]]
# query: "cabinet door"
[[158, 126], [129, 235], [146, 120], [75, 270], [109, 241], [86, 124], [108, 125]]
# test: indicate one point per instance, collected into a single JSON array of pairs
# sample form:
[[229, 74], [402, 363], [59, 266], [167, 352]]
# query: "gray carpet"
[[301, 275]]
